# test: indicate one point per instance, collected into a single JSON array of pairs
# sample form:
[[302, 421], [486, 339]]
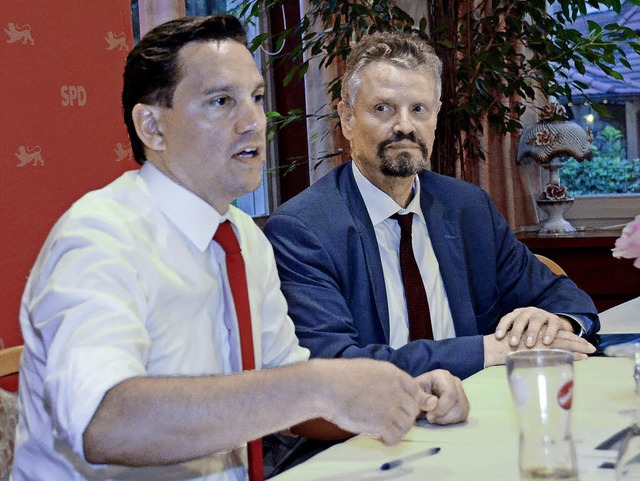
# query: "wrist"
[[569, 324], [318, 388], [494, 350]]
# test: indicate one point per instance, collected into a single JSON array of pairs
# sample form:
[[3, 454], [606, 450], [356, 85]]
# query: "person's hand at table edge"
[[447, 401], [496, 350], [526, 324]]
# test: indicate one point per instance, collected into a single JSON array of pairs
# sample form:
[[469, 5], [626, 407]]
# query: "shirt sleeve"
[[86, 305]]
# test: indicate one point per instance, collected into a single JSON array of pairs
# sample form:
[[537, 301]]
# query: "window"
[[607, 189]]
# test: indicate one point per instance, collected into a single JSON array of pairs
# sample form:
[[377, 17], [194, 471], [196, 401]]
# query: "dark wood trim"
[[587, 259], [292, 139]]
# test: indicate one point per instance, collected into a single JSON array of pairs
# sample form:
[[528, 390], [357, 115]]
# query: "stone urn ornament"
[[550, 142]]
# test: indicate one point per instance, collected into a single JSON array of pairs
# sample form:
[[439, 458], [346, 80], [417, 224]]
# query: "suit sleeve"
[[523, 280], [332, 308]]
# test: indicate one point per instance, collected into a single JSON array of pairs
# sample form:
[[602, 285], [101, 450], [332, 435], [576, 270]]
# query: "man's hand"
[[448, 403], [496, 350], [526, 323], [374, 397]]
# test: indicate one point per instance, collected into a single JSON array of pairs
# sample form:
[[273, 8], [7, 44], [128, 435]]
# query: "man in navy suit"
[[337, 247]]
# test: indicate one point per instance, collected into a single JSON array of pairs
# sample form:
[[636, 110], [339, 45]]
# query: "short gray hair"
[[403, 49]]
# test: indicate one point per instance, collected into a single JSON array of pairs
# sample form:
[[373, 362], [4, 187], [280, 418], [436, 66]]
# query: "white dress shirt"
[[129, 283], [380, 207]]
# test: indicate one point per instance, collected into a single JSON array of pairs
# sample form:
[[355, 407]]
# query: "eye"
[[419, 109], [382, 108], [259, 98], [220, 101]]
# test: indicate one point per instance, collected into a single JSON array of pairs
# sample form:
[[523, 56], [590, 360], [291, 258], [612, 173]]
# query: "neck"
[[399, 189]]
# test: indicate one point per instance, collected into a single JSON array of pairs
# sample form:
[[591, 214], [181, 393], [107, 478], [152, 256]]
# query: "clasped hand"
[[378, 398], [531, 327]]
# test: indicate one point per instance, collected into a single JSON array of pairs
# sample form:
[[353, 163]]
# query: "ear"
[[346, 119], [147, 121]]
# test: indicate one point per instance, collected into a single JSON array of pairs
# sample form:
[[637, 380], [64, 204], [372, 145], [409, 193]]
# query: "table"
[[623, 318], [485, 448], [587, 259]]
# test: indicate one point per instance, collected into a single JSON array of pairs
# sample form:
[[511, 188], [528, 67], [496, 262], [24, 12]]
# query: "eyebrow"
[[229, 88]]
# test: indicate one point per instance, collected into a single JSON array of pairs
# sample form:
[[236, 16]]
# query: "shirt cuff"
[[577, 323]]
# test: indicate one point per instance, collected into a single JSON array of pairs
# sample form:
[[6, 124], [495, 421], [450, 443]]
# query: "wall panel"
[[61, 128]]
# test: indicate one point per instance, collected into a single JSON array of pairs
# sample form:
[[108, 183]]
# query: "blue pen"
[[411, 457]]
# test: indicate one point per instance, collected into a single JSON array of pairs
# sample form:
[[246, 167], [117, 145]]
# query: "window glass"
[[615, 168]]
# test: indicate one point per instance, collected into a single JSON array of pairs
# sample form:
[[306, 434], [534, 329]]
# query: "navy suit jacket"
[[331, 273]]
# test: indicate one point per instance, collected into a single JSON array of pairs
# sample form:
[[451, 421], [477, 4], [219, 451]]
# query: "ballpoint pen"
[[411, 457]]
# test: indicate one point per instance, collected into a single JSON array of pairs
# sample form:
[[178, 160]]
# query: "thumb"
[[429, 403]]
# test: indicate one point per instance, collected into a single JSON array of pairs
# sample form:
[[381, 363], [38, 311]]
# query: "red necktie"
[[414, 292], [238, 283]]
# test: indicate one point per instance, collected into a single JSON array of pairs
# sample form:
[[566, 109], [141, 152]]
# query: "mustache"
[[399, 137]]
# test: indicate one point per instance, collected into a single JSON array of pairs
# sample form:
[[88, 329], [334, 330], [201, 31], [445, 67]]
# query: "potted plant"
[[499, 55]]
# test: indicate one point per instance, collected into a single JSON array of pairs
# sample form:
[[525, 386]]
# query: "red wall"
[[60, 125]]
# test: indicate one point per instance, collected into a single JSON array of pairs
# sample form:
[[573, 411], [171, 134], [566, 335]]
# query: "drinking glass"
[[628, 461], [541, 383]]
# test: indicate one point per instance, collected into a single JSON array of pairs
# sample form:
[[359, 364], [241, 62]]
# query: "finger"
[[453, 415], [572, 342], [505, 324], [415, 397], [553, 326], [540, 322], [456, 413], [430, 403], [447, 399], [447, 388], [517, 328], [535, 325]]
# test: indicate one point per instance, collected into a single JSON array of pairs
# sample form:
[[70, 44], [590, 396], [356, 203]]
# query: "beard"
[[403, 163]]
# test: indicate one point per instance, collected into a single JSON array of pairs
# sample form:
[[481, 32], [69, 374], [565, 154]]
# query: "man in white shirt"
[[132, 366]]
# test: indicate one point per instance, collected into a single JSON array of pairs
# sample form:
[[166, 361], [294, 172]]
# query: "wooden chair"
[[10, 360], [9, 364], [555, 268]]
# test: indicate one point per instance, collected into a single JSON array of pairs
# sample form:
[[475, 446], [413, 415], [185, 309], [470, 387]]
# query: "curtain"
[[155, 12], [513, 188]]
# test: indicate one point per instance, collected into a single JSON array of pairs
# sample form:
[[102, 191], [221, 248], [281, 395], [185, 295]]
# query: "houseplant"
[[499, 55]]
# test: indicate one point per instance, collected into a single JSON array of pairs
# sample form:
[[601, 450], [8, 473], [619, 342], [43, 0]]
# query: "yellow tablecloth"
[[485, 448]]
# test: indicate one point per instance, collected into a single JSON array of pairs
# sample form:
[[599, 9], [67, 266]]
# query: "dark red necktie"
[[238, 283], [414, 293]]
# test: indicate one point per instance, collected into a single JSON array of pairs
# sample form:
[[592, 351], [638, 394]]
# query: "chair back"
[[9, 364], [10, 360], [555, 268]]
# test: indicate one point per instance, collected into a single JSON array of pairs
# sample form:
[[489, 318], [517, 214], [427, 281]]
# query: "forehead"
[[213, 63], [383, 81]]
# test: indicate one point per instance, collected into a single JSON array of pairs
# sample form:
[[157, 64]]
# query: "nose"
[[402, 122], [251, 118]]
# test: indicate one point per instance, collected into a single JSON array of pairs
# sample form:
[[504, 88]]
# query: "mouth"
[[403, 144], [247, 153]]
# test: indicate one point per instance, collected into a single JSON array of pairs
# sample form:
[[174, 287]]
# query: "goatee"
[[403, 164]]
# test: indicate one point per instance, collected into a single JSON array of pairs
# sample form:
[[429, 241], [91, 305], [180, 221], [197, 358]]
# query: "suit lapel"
[[372, 263], [448, 246]]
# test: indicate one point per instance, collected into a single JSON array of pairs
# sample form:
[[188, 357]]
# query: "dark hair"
[[402, 49], [152, 70]]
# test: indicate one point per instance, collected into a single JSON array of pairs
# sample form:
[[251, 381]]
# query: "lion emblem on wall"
[[116, 41], [123, 152], [29, 156], [17, 33]]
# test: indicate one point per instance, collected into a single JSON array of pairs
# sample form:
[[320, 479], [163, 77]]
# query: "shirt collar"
[[379, 205], [191, 215]]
